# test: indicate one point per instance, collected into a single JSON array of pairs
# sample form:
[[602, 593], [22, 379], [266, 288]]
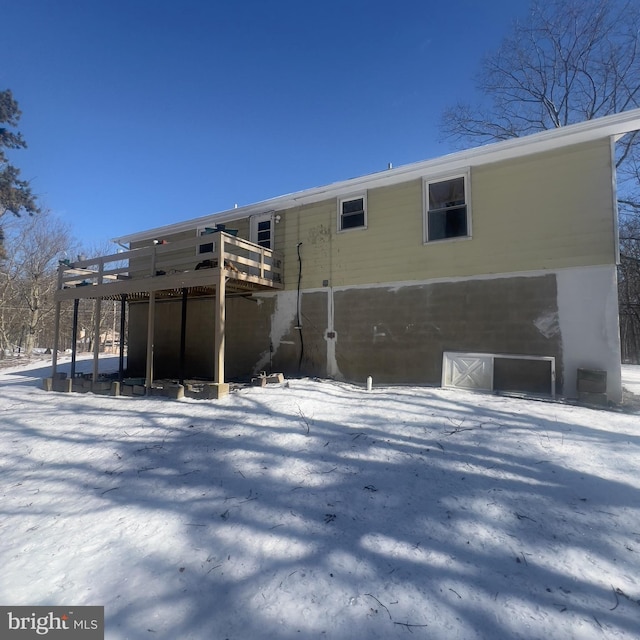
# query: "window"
[[208, 247], [447, 210], [352, 213], [261, 231]]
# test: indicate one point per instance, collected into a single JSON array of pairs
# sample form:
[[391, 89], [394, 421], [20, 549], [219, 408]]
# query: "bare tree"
[[28, 277], [10, 308], [569, 61]]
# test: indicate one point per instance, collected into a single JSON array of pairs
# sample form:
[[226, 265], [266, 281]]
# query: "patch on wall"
[[548, 324], [282, 321]]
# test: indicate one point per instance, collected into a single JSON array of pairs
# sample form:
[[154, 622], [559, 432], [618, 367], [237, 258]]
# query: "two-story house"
[[490, 268]]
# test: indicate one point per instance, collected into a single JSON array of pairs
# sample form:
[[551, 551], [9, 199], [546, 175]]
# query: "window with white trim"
[[447, 208], [352, 213], [261, 229]]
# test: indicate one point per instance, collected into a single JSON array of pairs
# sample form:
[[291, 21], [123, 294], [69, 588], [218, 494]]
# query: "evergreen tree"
[[16, 196]]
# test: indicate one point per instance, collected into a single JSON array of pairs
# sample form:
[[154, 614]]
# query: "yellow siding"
[[545, 211]]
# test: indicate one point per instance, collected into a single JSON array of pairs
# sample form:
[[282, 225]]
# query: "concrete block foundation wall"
[[397, 334]]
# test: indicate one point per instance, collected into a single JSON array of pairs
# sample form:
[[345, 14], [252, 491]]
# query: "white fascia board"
[[612, 126]]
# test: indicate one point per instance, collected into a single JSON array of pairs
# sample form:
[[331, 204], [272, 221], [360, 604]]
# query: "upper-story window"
[[447, 208], [207, 247], [261, 230], [352, 213]]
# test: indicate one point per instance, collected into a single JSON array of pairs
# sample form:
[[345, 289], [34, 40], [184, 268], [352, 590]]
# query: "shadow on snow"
[[346, 517]]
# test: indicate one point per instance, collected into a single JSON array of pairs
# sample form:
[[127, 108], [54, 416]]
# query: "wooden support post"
[[183, 333], [56, 328], [96, 338], [150, 340], [96, 331], [123, 315], [220, 313], [151, 323], [56, 331], [219, 328], [74, 337]]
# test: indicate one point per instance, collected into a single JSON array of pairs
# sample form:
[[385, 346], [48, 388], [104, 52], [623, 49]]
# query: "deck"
[[218, 265], [167, 268]]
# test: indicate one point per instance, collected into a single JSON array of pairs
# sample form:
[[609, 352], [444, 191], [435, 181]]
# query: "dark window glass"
[[449, 223], [447, 215], [264, 234], [352, 213]]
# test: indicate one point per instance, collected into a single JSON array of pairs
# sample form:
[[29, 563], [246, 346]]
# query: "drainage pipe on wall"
[[298, 319]]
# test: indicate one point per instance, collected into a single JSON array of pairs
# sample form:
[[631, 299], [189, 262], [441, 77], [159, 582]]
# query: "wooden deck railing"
[[169, 265]]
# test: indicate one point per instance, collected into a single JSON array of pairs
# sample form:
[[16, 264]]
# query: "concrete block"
[[101, 387], [126, 390], [260, 381], [62, 385], [275, 378], [139, 390], [174, 391], [215, 391], [47, 384], [115, 388], [599, 399]]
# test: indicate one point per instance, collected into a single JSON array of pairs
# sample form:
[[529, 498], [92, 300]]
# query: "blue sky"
[[140, 113]]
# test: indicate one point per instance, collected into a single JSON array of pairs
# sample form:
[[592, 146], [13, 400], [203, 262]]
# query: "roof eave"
[[614, 125]]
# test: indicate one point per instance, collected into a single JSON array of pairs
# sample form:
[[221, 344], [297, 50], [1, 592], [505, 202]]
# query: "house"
[[491, 268]]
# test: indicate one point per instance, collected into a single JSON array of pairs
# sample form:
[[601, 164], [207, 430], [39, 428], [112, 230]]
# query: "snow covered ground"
[[631, 378], [320, 510]]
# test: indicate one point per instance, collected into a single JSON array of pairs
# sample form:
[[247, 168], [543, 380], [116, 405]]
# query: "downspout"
[[298, 319]]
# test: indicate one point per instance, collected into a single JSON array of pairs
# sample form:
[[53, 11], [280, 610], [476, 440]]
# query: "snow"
[[631, 378], [316, 509]]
